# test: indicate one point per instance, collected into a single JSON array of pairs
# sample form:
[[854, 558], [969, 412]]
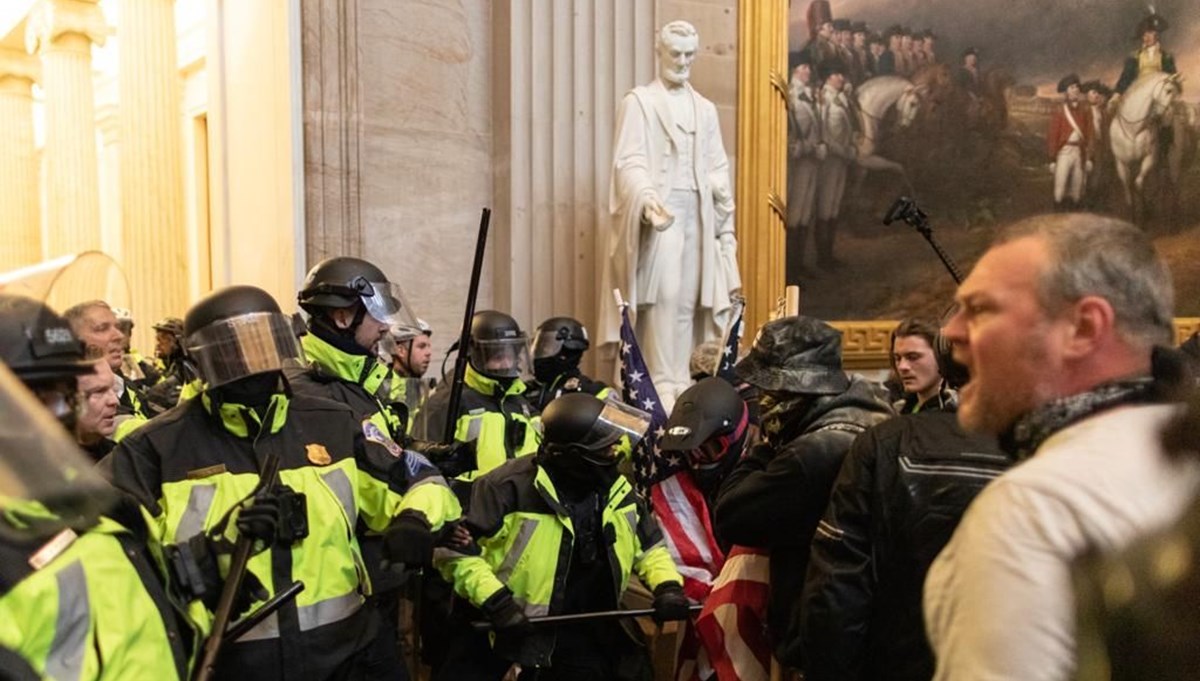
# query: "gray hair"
[[74, 314], [1093, 255], [678, 28]]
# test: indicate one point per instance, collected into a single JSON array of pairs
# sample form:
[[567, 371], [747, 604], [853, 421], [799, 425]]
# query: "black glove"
[[451, 459], [506, 615], [409, 541], [670, 603], [259, 519]]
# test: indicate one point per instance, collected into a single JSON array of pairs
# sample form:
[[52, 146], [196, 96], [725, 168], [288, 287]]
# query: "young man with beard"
[[811, 411], [1058, 325]]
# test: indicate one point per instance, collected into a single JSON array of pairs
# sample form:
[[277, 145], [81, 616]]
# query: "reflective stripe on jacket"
[[191, 465], [501, 422], [525, 537], [89, 613]]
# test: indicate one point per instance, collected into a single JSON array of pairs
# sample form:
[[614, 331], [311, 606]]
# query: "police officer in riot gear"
[[197, 471], [558, 348], [560, 533], [54, 540], [179, 377], [352, 308], [493, 412]]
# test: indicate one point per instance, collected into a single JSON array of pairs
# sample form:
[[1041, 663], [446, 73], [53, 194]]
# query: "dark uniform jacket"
[[900, 493], [189, 466], [777, 495]]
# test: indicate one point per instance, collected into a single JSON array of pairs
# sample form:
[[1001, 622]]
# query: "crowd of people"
[[256, 453]]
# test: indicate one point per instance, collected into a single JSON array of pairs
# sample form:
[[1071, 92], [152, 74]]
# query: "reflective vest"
[[191, 465], [525, 538], [362, 382], [94, 611], [501, 423]]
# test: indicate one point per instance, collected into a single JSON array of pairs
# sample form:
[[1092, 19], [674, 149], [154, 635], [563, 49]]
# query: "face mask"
[[546, 369]]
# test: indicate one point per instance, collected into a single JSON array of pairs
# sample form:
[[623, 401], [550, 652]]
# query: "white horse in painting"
[[1135, 130], [876, 97]]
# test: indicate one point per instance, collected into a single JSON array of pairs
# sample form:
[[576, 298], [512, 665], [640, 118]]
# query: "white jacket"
[[999, 600]]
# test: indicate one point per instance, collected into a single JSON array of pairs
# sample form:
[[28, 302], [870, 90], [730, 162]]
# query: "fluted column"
[[19, 211], [560, 69], [61, 33], [153, 236]]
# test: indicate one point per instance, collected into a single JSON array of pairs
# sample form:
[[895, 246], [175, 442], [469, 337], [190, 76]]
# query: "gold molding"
[[761, 153], [865, 345]]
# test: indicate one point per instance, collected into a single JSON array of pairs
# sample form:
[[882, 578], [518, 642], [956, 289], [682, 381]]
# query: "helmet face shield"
[[241, 346], [618, 419], [547, 344], [46, 483], [386, 304], [504, 358]]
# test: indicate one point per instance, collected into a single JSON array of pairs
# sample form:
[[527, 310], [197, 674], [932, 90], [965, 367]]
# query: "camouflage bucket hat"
[[798, 355]]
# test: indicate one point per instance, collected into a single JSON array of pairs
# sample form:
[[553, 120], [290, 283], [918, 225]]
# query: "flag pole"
[[621, 304]]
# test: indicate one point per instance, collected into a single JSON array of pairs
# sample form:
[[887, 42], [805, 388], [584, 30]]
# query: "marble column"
[[560, 70], [153, 236], [19, 209], [61, 33]]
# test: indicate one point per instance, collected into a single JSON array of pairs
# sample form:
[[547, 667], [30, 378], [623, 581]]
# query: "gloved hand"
[[452, 459], [258, 518], [506, 615], [409, 541], [670, 603]]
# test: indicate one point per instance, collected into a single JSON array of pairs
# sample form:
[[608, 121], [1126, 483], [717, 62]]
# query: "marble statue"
[[672, 250]]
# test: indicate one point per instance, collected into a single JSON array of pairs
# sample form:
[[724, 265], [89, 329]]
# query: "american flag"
[[664, 479], [729, 349]]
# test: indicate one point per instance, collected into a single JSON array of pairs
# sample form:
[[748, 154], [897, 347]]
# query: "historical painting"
[[981, 113]]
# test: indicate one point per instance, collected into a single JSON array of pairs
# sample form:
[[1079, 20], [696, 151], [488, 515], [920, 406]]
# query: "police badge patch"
[[415, 463], [375, 434]]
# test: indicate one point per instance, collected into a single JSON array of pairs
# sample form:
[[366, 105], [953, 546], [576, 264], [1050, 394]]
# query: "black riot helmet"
[[560, 334], [499, 348], [37, 343], [583, 426], [239, 331], [343, 282]]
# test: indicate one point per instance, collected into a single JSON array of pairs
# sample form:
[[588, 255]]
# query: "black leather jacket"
[[898, 498], [776, 495]]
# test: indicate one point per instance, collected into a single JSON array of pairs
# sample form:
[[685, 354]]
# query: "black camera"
[[293, 517]]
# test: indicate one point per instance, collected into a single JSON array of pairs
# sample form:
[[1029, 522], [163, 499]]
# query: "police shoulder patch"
[[375, 434]]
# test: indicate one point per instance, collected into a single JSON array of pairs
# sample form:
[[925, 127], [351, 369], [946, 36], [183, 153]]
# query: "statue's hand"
[[728, 244], [656, 214]]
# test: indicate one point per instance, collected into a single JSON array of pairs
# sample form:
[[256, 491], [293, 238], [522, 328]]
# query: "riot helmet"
[[343, 282], [557, 335], [708, 423], [168, 337], [46, 483], [583, 426], [36, 342], [499, 348], [239, 331]]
